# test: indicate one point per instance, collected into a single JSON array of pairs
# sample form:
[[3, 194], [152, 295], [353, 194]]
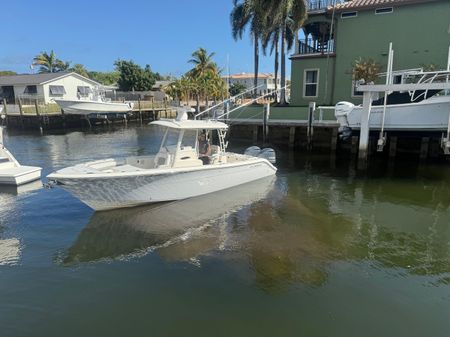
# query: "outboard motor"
[[341, 111], [253, 151], [266, 153]]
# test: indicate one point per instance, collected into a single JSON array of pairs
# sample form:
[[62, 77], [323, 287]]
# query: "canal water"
[[321, 250]]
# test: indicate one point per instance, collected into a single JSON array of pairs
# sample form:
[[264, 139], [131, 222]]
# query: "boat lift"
[[427, 82]]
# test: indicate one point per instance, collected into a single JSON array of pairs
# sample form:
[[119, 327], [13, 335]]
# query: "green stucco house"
[[337, 33]]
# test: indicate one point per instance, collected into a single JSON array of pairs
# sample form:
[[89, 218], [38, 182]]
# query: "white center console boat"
[[174, 173]]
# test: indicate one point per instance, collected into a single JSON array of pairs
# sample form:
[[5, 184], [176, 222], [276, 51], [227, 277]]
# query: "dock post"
[[364, 131], [21, 113], [334, 137], [140, 109], [392, 146], [63, 116], [424, 145], [255, 134], [5, 111], [266, 115], [291, 136], [354, 145], [310, 127], [36, 106]]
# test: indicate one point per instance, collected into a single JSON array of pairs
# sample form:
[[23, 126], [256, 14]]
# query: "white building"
[[266, 81], [45, 87]]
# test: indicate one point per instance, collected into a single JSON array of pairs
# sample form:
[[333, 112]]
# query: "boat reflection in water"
[[11, 247], [136, 231]]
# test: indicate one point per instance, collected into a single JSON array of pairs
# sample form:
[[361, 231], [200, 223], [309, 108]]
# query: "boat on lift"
[[93, 102], [175, 172], [419, 110], [11, 172]]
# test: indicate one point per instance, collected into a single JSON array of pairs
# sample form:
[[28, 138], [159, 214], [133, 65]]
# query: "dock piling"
[[392, 146], [291, 136], [36, 106], [364, 131], [424, 146], [310, 127]]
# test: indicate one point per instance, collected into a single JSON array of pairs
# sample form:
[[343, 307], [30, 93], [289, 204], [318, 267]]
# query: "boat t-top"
[[175, 172]]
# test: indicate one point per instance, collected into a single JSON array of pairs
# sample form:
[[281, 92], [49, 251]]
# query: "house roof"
[[34, 79], [369, 4], [249, 75]]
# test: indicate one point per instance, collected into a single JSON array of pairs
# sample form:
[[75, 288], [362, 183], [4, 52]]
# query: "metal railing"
[[311, 46], [314, 5]]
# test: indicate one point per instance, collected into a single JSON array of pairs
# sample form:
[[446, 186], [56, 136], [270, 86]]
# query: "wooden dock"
[[50, 117]]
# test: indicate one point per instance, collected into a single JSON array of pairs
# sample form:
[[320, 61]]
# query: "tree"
[[105, 78], [288, 16], [133, 77], [203, 81], [236, 89], [7, 73], [48, 63], [80, 69], [252, 14], [366, 70]]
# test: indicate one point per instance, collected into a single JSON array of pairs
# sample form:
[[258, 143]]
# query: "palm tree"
[[288, 15], [204, 69], [272, 37], [48, 63], [80, 69], [249, 13]]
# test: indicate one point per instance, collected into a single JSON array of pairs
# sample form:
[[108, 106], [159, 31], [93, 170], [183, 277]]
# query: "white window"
[[310, 83], [57, 90]]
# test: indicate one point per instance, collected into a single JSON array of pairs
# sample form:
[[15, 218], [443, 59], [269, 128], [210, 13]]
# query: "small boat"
[[11, 172], [419, 110], [175, 172], [93, 102]]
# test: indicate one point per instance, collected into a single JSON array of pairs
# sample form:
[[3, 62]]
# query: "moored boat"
[[417, 110], [177, 171], [11, 171], [93, 102]]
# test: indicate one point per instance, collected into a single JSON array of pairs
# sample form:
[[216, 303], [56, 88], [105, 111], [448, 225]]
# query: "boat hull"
[[19, 175], [80, 107], [102, 193], [427, 115]]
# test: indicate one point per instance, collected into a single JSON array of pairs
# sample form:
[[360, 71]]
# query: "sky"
[[95, 33]]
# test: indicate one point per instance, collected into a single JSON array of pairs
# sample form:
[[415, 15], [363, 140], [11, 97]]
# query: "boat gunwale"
[[156, 171]]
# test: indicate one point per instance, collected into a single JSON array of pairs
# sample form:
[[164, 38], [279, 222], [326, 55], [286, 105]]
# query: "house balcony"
[[321, 5], [315, 48]]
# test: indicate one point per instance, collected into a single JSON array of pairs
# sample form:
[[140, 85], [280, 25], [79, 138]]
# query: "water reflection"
[[123, 232], [10, 247], [290, 232]]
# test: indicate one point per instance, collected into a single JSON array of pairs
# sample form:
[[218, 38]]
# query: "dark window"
[[311, 81], [384, 10], [7, 93], [30, 89], [57, 90], [355, 92], [397, 79], [349, 15], [84, 90]]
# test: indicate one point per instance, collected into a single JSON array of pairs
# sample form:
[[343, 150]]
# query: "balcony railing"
[[314, 5], [311, 46]]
